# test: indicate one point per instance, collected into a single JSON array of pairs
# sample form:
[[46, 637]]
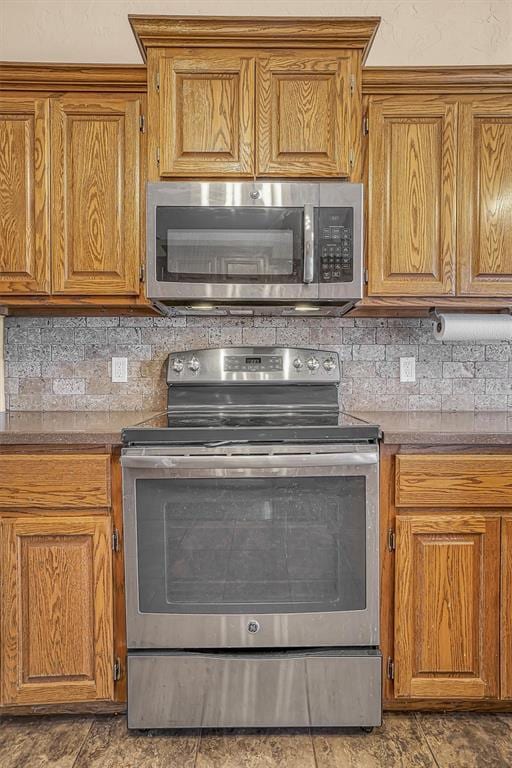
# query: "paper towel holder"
[[434, 313]]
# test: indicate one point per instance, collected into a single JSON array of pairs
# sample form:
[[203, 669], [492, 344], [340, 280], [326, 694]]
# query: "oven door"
[[231, 241], [259, 547]]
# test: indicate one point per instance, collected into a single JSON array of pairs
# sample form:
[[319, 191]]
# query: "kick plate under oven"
[[251, 547]]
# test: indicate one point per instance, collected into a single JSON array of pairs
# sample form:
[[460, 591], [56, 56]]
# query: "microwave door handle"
[[309, 244]]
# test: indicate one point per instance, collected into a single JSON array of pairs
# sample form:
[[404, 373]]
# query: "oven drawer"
[[313, 688]]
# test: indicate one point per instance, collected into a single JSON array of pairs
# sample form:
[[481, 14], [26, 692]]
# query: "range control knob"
[[297, 363], [177, 365], [312, 364], [329, 364], [194, 364]]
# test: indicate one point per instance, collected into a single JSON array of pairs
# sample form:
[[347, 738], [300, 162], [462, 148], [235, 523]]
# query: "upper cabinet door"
[[485, 197], [95, 194], [304, 114], [24, 190], [412, 196], [206, 114], [447, 606]]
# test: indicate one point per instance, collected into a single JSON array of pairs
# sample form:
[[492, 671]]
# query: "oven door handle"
[[273, 461], [309, 244]]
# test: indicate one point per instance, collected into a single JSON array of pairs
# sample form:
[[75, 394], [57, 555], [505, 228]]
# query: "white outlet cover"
[[120, 369], [407, 369]]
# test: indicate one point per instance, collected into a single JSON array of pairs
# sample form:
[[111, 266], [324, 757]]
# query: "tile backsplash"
[[63, 363]]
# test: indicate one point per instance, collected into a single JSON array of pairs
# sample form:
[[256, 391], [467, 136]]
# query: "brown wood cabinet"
[[412, 187], [56, 605], [24, 194], [95, 184], [485, 206], [446, 606], [439, 175], [60, 596], [72, 171], [254, 97]]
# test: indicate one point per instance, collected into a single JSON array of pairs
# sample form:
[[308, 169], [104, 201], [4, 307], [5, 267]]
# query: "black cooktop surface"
[[249, 426]]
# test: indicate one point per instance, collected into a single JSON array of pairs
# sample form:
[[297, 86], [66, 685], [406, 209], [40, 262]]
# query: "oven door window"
[[257, 545], [223, 245]]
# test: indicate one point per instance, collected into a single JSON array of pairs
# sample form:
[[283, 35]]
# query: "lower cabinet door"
[[506, 608], [447, 606], [56, 609]]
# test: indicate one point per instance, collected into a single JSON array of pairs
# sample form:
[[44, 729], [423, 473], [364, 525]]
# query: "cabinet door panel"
[[303, 114], [485, 197], [447, 606], [56, 603], [506, 608], [207, 114], [412, 196], [95, 194], [24, 190]]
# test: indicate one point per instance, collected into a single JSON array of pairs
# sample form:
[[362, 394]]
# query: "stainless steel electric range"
[[251, 547]]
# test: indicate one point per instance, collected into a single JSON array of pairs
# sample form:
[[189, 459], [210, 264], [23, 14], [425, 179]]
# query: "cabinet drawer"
[[453, 481], [67, 480]]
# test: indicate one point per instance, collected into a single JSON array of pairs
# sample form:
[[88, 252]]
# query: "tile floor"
[[415, 740]]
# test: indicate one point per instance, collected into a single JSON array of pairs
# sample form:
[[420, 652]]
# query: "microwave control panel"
[[335, 245]]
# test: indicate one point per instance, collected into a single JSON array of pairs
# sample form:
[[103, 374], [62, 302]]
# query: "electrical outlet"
[[407, 369], [120, 369]]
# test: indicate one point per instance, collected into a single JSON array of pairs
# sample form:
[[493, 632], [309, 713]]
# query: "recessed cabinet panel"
[[95, 194], [206, 114], [57, 636], [24, 189], [412, 196], [485, 202], [303, 114], [447, 606]]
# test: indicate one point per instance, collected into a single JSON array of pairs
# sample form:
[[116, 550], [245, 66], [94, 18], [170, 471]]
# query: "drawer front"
[[54, 481], [453, 481]]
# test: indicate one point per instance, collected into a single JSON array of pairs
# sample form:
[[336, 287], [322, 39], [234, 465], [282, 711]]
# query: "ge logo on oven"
[[253, 626]]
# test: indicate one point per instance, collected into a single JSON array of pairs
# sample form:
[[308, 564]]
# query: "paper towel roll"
[[466, 327]]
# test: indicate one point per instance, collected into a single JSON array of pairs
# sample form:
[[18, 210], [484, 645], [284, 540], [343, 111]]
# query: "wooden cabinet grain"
[[485, 196], [412, 196], [447, 606], [304, 112], [206, 113], [56, 609], [24, 194], [95, 194]]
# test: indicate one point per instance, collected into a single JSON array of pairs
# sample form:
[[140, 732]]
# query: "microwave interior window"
[[229, 244]]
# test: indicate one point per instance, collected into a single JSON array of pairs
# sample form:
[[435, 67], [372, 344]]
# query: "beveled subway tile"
[[468, 739], [261, 748], [397, 744], [42, 742], [110, 744]]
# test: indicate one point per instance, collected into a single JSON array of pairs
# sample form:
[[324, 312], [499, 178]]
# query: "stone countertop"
[[71, 427], [442, 427]]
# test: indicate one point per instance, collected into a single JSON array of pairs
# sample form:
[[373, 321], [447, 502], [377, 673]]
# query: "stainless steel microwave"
[[254, 242]]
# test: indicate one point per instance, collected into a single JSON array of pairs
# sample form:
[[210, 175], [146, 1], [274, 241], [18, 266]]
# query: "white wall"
[[423, 32]]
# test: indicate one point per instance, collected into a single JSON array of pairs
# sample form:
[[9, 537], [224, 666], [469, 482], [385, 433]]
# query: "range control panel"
[[335, 245], [252, 365]]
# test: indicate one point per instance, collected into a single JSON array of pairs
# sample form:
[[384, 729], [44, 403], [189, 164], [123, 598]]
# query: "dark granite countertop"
[[72, 427], [442, 427]]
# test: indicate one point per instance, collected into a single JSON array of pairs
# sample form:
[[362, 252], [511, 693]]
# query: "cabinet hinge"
[[116, 669], [142, 124], [366, 277], [391, 540], [142, 273], [352, 84], [390, 669], [115, 540], [366, 126], [157, 82], [158, 155], [351, 157]]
